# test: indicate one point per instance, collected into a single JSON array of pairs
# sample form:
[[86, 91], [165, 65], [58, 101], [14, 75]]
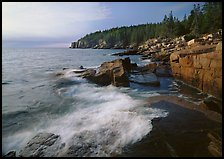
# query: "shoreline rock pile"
[[121, 72], [197, 62]]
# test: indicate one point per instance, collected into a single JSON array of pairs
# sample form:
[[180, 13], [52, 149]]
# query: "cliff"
[[200, 66]]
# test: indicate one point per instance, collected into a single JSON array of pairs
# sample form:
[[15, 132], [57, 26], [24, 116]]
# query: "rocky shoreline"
[[189, 130], [121, 72], [197, 62], [183, 133]]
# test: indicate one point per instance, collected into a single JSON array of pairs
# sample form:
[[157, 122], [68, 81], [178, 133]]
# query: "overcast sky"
[[57, 24]]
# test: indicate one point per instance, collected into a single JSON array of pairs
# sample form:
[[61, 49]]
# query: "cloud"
[[48, 19]]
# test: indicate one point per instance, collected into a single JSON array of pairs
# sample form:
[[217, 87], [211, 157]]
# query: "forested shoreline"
[[202, 19]]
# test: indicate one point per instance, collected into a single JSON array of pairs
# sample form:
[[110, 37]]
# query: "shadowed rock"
[[163, 71], [42, 145], [11, 153], [128, 52], [215, 145]]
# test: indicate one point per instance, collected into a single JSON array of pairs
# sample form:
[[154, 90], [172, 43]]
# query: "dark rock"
[[42, 145], [127, 64], [163, 72], [102, 78], [128, 52], [215, 145], [213, 104], [11, 153], [119, 77], [134, 65], [161, 57], [182, 133], [81, 67]]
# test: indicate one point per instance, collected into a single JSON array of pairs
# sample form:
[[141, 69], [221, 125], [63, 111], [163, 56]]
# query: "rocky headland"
[[197, 62]]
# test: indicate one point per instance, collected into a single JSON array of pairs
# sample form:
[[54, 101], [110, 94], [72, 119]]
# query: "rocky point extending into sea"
[[197, 62]]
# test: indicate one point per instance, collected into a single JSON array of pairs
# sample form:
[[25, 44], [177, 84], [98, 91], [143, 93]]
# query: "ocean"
[[35, 100]]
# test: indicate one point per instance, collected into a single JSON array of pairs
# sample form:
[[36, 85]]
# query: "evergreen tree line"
[[205, 18]]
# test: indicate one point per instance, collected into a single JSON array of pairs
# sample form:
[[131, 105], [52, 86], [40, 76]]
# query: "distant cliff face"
[[79, 44], [200, 67]]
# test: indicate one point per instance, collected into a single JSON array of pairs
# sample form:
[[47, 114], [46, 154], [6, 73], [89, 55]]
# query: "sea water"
[[35, 100]]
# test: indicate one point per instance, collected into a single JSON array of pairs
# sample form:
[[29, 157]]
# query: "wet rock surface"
[[42, 145], [11, 153], [183, 133], [215, 144], [120, 72]]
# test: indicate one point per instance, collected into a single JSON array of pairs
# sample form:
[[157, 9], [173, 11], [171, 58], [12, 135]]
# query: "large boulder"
[[113, 72]]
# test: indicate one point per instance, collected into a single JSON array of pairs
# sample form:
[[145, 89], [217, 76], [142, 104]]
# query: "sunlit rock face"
[[200, 66]]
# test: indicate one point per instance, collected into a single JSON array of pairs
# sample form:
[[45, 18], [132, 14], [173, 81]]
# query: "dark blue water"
[[35, 100]]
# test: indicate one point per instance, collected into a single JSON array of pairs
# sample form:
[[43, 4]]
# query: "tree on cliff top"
[[202, 19], [212, 17]]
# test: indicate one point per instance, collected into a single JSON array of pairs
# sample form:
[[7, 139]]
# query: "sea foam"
[[106, 117]]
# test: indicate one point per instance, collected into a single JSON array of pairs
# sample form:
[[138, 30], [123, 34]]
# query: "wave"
[[107, 119]]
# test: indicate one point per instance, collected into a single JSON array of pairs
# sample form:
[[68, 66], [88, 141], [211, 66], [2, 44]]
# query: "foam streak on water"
[[105, 117]]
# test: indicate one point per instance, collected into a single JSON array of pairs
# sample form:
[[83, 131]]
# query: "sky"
[[57, 24]]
